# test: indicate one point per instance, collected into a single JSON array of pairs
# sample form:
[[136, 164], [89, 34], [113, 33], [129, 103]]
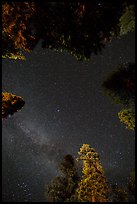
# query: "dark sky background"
[[64, 108]]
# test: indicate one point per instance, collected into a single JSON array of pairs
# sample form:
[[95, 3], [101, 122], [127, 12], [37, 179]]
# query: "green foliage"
[[127, 20], [69, 188], [120, 88], [11, 104], [93, 186], [62, 188], [127, 116]]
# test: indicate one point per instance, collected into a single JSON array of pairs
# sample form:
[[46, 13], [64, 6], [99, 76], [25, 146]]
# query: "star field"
[[64, 108]]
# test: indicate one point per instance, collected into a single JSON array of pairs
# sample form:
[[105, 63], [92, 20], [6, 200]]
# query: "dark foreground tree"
[[124, 193], [119, 194], [91, 186], [11, 104], [68, 187], [120, 88], [131, 184], [62, 187], [81, 28], [120, 85]]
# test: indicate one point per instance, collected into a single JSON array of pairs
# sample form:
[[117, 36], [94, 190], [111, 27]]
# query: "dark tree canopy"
[[11, 104], [78, 27], [81, 28], [131, 184], [16, 28], [91, 186], [62, 188], [124, 193], [120, 85]]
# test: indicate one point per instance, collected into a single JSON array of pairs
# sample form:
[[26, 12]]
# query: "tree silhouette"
[[120, 85], [120, 88], [11, 104], [91, 186], [131, 184], [62, 187], [124, 193], [81, 28]]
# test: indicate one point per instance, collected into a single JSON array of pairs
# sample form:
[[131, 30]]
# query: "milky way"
[[64, 108]]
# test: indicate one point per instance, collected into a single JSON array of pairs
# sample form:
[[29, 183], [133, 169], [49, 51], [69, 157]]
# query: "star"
[[65, 107]]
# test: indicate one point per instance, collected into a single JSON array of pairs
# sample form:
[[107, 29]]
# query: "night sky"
[[64, 108]]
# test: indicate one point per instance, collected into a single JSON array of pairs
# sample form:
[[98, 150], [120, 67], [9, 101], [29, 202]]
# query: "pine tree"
[[93, 186]]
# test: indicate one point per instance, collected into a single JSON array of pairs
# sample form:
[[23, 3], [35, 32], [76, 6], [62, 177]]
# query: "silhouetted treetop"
[[11, 104], [120, 85], [81, 28], [62, 188], [120, 88]]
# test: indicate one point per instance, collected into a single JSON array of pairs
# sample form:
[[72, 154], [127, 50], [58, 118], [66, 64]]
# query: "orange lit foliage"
[[93, 186], [11, 104], [80, 28], [16, 32]]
